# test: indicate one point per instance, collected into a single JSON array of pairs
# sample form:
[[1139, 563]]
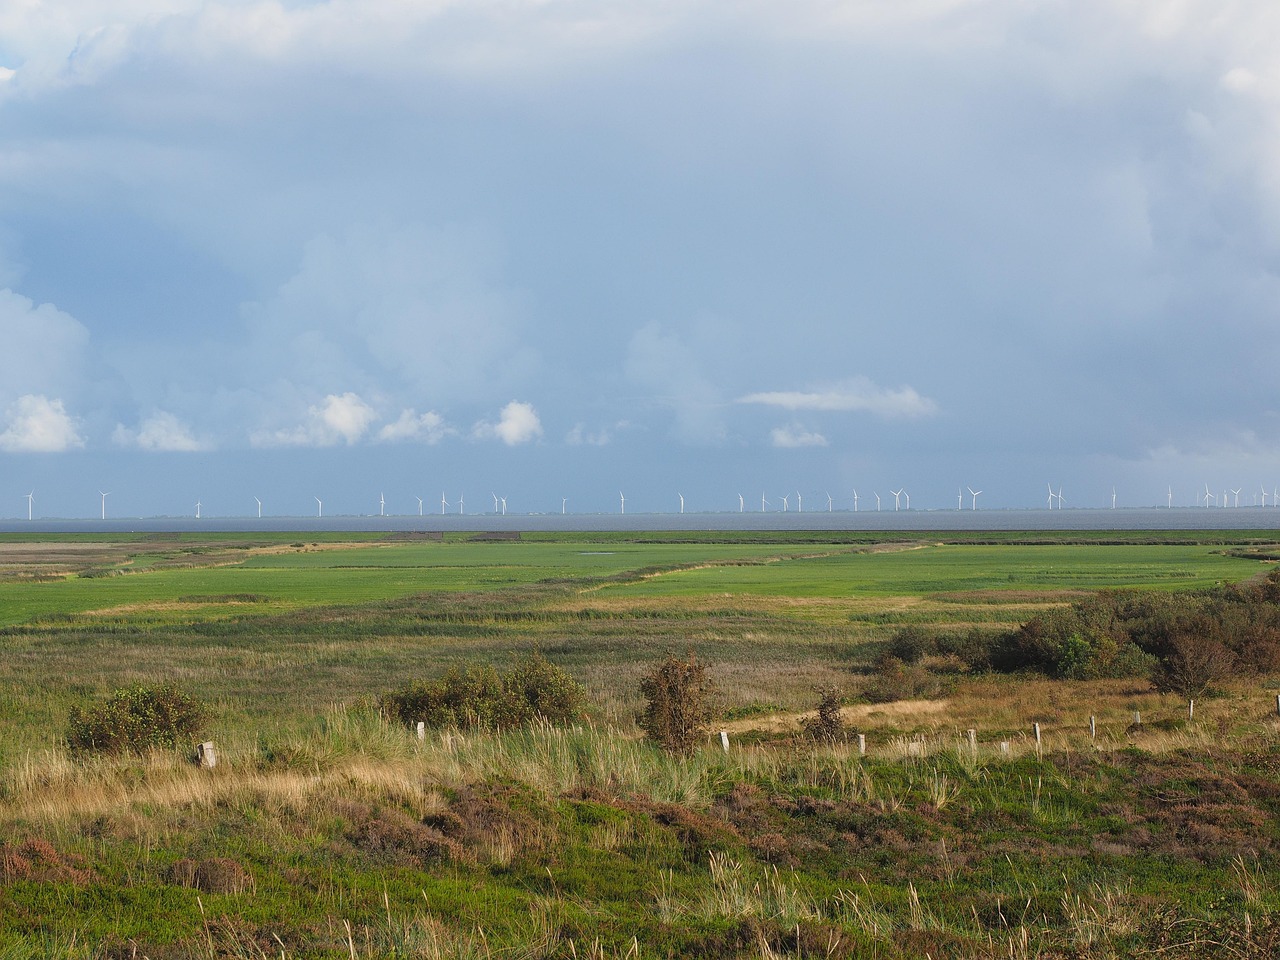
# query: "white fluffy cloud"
[[43, 348], [794, 435], [411, 425], [36, 424], [518, 423], [342, 418], [859, 394], [162, 431]]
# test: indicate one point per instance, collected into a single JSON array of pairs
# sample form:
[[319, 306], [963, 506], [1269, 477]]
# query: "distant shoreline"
[[1079, 519]]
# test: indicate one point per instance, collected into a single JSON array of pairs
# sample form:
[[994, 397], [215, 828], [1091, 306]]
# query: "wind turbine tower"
[[259, 508], [198, 505], [382, 504], [681, 496], [1236, 492], [444, 504], [104, 503], [419, 499], [829, 501], [1113, 498], [877, 496], [742, 504], [622, 502], [974, 493], [897, 498], [31, 499], [855, 501], [319, 507], [799, 503]]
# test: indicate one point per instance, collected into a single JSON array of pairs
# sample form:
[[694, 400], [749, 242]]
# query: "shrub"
[[136, 719], [1192, 665], [533, 690], [895, 680], [676, 704], [912, 644], [825, 725]]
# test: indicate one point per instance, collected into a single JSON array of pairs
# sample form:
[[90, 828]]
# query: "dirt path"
[[781, 722]]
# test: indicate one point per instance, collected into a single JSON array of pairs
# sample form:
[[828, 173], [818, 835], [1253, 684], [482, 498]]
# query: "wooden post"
[[1191, 710], [724, 740], [1137, 718], [207, 756], [1036, 728], [862, 744], [1093, 728], [1278, 704], [422, 730], [1004, 746], [973, 740]]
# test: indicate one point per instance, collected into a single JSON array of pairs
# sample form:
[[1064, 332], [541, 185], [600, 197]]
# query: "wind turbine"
[[622, 498], [829, 501], [419, 499], [104, 503], [974, 493], [855, 501], [1058, 497], [1237, 496], [764, 504], [908, 496], [1113, 498], [382, 504], [959, 499], [504, 505], [259, 508], [564, 505], [31, 499], [319, 507], [681, 496], [1170, 502], [495, 501], [198, 505], [877, 496], [897, 498], [1208, 496], [742, 504], [1050, 486], [1262, 488], [461, 504], [799, 503], [444, 504], [786, 502]]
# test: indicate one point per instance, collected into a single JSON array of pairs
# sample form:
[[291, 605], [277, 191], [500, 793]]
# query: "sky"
[[378, 251]]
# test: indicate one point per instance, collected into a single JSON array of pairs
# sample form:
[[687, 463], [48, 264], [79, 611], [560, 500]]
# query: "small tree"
[[676, 708], [826, 724], [1192, 664]]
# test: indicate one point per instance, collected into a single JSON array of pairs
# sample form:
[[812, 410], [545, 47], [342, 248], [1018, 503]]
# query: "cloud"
[[411, 425], [161, 431], [518, 423], [342, 418], [795, 435], [36, 424], [44, 348], [581, 436], [859, 394]]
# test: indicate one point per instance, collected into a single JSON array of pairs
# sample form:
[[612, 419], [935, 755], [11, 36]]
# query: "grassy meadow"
[[325, 831]]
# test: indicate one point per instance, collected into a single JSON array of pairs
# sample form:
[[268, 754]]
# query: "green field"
[[328, 832]]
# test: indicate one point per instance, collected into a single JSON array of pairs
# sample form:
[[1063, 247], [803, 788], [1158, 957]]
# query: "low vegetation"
[[134, 720], [571, 797]]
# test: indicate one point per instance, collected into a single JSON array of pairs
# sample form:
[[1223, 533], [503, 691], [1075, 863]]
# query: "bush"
[[912, 644], [826, 724], [676, 709], [136, 719], [533, 690], [1192, 665]]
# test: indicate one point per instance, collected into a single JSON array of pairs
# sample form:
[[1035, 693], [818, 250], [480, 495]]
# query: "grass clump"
[[135, 719], [533, 690]]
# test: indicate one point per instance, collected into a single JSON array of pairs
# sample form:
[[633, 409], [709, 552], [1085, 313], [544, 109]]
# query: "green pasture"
[[927, 569], [343, 573]]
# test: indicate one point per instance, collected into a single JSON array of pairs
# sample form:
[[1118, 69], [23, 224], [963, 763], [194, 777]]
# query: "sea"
[[1254, 518]]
